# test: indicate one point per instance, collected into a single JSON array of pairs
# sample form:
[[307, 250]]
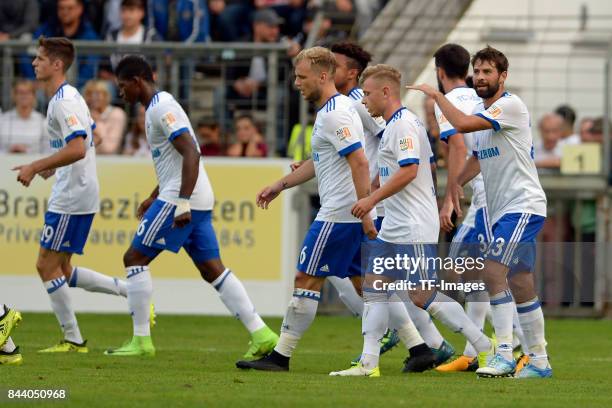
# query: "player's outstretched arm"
[[186, 147], [471, 170], [74, 151], [304, 172], [461, 122]]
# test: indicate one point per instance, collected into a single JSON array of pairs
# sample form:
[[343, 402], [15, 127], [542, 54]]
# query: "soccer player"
[[341, 167], [408, 192], [9, 352], [351, 61], [177, 214], [503, 152], [74, 198]]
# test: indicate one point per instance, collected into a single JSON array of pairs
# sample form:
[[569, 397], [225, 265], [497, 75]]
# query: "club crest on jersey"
[[405, 144], [495, 111], [71, 120], [168, 119], [343, 133]]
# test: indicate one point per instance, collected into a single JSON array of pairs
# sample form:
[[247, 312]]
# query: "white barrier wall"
[[259, 246]]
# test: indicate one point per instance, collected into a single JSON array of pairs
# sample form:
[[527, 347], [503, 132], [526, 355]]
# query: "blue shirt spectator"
[[179, 20]]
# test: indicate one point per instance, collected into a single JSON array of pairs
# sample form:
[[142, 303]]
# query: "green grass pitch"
[[195, 359]]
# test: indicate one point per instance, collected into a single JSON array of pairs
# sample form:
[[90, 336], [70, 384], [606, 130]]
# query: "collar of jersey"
[[457, 87], [153, 99], [327, 101], [59, 89], [354, 89], [396, 113]]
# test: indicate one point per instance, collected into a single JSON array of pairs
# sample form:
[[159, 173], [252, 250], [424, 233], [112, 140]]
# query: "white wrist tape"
[[373, 214], [182, 207]]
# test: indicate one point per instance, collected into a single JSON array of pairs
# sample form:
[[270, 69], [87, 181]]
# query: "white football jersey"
[[337, 131], [372, 131], [411, 215], [466, 100], [505, 154], [165, 120], [76, 189]]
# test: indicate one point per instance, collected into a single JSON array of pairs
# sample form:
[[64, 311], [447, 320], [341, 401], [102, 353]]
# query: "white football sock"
[[235, 298], [476, 307], [424, 324], [399, 319], [59, 293], [518, 337], [301, 312], [532, 322], [502, 310], [139, 293], [374, 324], [93, 281], [348, 295], [9, 346], [452, 315]]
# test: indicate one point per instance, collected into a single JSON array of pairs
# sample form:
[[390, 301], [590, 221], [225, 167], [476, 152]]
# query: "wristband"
[[182, 207]]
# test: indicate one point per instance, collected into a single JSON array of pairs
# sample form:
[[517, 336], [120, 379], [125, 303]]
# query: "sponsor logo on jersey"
[[71, 120], [343, 133], [156, 153], [384, 171], [56, 143], [495, 111], [406, 144], [315, 156], [488, 153], [168, 119]]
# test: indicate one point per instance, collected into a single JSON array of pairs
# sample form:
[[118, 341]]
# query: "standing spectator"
[[179, 20], [136, 140], [22, 129], [249, 142], [209, 135], [568, 135], [547, 152], [110, 120], [72, 24], [18, 18]]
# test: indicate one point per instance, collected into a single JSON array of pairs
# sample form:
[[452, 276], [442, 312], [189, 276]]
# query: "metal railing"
[[176, 65]]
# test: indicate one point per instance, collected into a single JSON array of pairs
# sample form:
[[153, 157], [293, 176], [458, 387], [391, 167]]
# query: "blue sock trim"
[[73, 278], [224, 276], [135, 270], [501, 298], [308, 294], [529, 308], [430, 300], [56, 284]]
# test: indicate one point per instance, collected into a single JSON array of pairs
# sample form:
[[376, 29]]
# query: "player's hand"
[[426, 89], [45, 174], [368, 227], [26, 174], [181, 220], [457, 195], [296, 165], [143, 207], [265, 196], [362, 207], [446, 213]]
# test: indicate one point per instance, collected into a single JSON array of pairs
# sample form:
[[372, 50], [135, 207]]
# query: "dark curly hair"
[[358, 57]]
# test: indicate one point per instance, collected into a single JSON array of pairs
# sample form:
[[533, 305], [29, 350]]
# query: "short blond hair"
[[384, 72], [97, 85], [321, 59]]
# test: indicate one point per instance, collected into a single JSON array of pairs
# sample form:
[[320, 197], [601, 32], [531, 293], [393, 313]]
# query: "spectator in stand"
[[179, 20], [249, 142], [585, 127], [547, 152], [324, 37], [293, 12], [23, 129], [70, 23], [136, 140], [110, 120], [568, 135], [18, 18], [209, 136]]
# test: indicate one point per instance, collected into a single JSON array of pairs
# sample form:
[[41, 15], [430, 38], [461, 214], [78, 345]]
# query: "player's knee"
[[522, 287], [420, 297], [130, 258]]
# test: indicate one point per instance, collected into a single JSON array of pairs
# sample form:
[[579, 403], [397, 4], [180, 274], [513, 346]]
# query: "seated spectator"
[[209, 136], [584, 127], [136, 140], [178, 20], [547, 152], [293, 13], [110, 120], [18, 18], [249, 142], [23, 129], [568, 135], [70, 23]]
